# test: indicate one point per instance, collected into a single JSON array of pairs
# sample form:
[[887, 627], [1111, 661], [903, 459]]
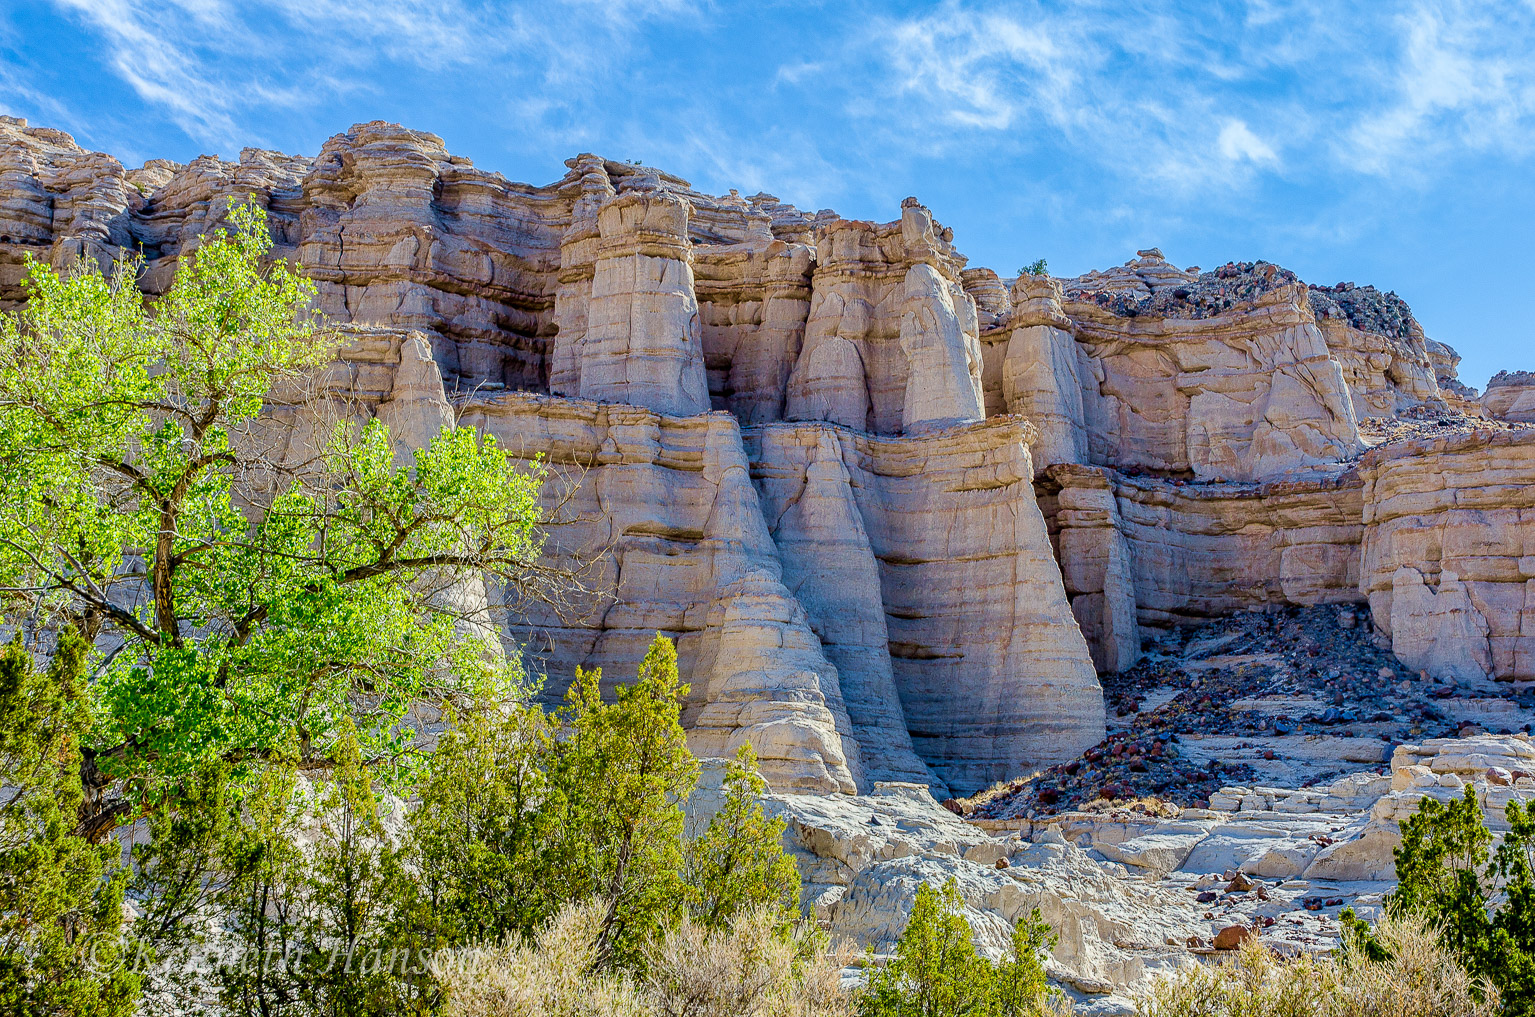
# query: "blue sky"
[[1383, 142]]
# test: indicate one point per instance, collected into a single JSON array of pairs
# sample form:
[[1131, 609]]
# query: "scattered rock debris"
[[1255, 683]]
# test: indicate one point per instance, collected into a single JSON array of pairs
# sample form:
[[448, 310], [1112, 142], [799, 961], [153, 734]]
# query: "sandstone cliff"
[[894, 508]]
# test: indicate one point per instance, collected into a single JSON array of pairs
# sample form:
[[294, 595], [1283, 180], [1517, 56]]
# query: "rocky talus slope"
[[900, 513]]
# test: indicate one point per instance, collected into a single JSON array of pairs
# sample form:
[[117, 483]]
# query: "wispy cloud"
[[1462, 77], [218, 68], [1188, 99]]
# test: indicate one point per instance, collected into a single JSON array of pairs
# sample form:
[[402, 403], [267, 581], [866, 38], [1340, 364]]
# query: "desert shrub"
[[623, 771], [313, 887], [1419, 978], [290, 880], [1039, 267], [178, 887], [550, 975], [526, 814], [523, 814], [61, 896], [937, 972], [1482, 900], [747, 969], [280, 894]]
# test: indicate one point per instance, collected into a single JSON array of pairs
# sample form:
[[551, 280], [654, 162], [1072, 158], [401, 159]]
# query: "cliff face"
[[807, 447]]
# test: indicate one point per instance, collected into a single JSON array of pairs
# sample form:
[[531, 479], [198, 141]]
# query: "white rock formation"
[[1449, 552], [943, 353], [643, 343]]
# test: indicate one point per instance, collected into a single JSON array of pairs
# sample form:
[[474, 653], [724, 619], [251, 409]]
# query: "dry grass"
[[746, 971], [1420, 980]]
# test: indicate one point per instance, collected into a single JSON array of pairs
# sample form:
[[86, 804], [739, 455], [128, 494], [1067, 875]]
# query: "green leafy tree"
[[936, 971], [252, 578], [739, 863], [1040, 267], [61, 897], [1483, 900], [623, 770]]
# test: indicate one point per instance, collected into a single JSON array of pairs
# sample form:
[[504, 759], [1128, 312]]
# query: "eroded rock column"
[[643, 343], [830, 567], [1041, 379], [943, 353], [578, 264], [1083, 516]]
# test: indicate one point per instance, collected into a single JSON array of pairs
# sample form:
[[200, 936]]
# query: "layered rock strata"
[[1449, 552], [789, 430], [659, 516], [973, 610], [1082, 514], [1510, 396]]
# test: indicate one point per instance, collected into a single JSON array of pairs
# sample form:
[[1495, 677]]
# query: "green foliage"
[[1358, 937], [354, 882], [481, 837], [1040, 267], [262, 953], [275, 583], [305, 894], [739, 863], [61, 896], [624, 770], [264, 578], [181, 883], [1021, 987], [936, 971], [1483, 900], [522, 814]]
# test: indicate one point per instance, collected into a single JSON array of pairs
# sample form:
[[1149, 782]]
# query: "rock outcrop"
[[983, 649], [806, 446], [1238, 394], [1449, 552], [1511, 396], [899, 512]]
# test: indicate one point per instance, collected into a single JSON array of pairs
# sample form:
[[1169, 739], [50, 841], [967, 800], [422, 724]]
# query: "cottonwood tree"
[[240, 585]]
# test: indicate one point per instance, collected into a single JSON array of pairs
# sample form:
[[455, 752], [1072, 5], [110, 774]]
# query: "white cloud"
[[1178, 105], [1237, 143], [1462, 77]]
